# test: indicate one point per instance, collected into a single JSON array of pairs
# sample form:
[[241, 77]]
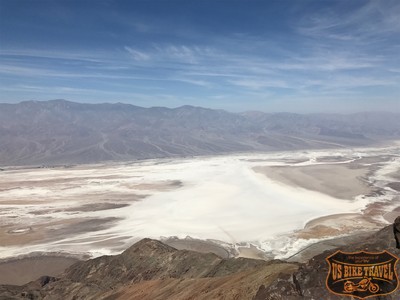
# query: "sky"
[[300, 56]]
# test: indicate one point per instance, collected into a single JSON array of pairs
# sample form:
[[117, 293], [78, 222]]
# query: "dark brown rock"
[[396, 231]]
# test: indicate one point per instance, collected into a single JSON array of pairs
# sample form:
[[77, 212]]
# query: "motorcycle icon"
[[362, 286]]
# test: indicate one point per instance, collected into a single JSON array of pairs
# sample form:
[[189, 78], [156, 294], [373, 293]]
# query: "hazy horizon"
[[205, 107], [301, 57]]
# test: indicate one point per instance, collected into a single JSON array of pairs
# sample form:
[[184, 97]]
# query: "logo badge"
[[362, 274]]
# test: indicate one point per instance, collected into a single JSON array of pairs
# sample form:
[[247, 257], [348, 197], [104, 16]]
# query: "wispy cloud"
[[137, 55], [86, 56], [210, 68], [337, 49], [373, 19], [201, 83], [260, 84]]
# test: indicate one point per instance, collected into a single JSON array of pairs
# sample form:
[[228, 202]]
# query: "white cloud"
[[258, 84], [373, 19], [137, 55]]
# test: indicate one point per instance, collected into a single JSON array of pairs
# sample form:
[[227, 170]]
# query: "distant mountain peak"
[[63, 132]]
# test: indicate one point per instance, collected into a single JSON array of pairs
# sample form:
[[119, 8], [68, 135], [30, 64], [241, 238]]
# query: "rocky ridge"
[[152, 270]]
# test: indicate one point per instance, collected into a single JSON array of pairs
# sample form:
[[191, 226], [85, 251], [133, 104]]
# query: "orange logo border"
[[357, 253]]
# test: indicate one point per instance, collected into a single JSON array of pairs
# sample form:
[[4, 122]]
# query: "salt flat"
[[275, 202]]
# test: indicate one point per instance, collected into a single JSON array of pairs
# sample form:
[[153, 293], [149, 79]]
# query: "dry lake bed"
[[254, 205]]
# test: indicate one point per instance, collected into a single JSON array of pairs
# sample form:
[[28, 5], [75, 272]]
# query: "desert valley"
[[199, 150], [100, 200], [266, 205]]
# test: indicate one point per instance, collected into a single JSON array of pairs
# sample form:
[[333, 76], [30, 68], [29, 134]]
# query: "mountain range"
[[64, 132]]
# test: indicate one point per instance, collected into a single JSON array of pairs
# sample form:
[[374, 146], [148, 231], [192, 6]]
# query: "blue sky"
[[296, 56]]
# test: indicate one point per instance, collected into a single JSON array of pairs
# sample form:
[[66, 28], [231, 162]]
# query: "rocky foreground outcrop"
[[152, 270], [308, 282]]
